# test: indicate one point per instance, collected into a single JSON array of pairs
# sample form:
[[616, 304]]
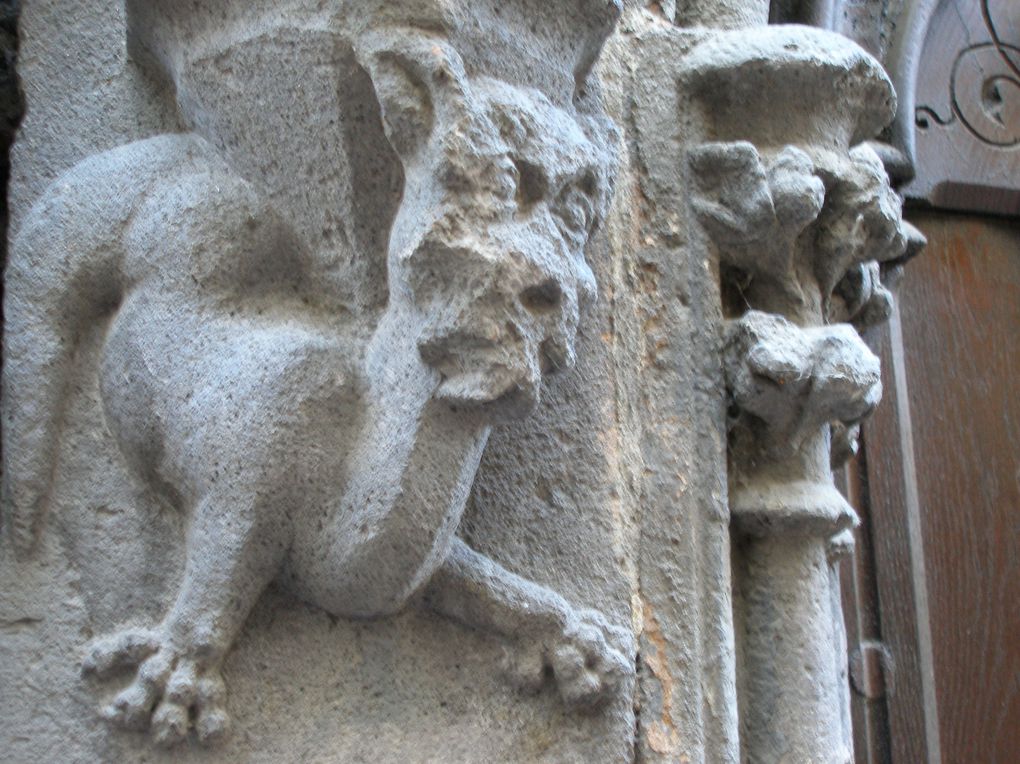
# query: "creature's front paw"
[[172, 692], [586, 659]]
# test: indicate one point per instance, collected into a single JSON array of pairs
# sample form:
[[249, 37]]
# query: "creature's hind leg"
[[589, 658], [235, 547]]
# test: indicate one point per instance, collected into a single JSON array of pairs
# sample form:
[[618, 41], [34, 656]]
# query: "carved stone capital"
[[788, 382], [803, 232], [805, 226]]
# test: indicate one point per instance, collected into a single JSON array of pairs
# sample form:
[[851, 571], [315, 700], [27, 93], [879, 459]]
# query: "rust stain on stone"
[[661, 734]]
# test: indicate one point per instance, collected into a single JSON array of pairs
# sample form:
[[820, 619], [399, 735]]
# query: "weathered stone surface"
[[803, 220], [435, 381]]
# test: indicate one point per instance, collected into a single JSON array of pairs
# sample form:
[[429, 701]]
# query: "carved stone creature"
[[326, 446]]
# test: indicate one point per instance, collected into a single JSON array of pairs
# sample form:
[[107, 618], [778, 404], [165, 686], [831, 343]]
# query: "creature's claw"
[[172, 692], [587, 666], [127, 648], [585, 658]]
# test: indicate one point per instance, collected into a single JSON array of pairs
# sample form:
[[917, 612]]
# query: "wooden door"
[[932, 596]]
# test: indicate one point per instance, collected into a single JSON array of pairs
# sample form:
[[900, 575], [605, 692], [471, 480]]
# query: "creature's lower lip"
[[473, 390]]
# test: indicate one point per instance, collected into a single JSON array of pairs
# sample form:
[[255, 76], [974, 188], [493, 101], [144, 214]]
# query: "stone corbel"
[[803, 224]]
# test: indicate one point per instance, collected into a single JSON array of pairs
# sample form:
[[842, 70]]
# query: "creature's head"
[[504, 157], [502, 190]]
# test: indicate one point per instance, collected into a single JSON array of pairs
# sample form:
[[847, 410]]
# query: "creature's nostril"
[[542, 298]]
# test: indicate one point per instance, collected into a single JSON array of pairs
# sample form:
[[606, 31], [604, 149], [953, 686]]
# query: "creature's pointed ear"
[[420, 83]]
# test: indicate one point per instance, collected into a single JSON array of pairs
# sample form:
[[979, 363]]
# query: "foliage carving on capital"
[[806, 228], [754, 209], [807, 235], [790, 381]]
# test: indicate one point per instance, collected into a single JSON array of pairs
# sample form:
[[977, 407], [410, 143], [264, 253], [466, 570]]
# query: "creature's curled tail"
[[65, 271]]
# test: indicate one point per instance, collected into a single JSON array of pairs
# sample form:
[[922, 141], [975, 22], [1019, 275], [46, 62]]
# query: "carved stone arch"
[[893, 31], [960, 121], [916, 40]]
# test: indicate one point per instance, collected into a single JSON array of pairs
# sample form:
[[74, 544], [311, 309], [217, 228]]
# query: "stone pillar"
[[791, 704], [802, 220], [841, 548]]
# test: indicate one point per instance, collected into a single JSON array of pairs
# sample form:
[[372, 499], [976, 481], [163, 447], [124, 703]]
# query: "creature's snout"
[[492, 334]]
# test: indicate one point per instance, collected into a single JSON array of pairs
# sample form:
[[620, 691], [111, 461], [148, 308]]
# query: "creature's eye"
[[576, 210], [505, 179]]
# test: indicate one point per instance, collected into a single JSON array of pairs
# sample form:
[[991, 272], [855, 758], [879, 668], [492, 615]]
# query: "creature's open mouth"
[[498, 372]]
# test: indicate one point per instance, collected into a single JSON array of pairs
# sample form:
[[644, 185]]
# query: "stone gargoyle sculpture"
[[316, 436]]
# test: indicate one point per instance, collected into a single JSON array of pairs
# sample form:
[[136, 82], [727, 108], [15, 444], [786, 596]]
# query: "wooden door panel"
[[938, 486], [960, 315]]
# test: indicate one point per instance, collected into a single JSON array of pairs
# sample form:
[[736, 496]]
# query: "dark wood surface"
[[897, 721], [937, 575]]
